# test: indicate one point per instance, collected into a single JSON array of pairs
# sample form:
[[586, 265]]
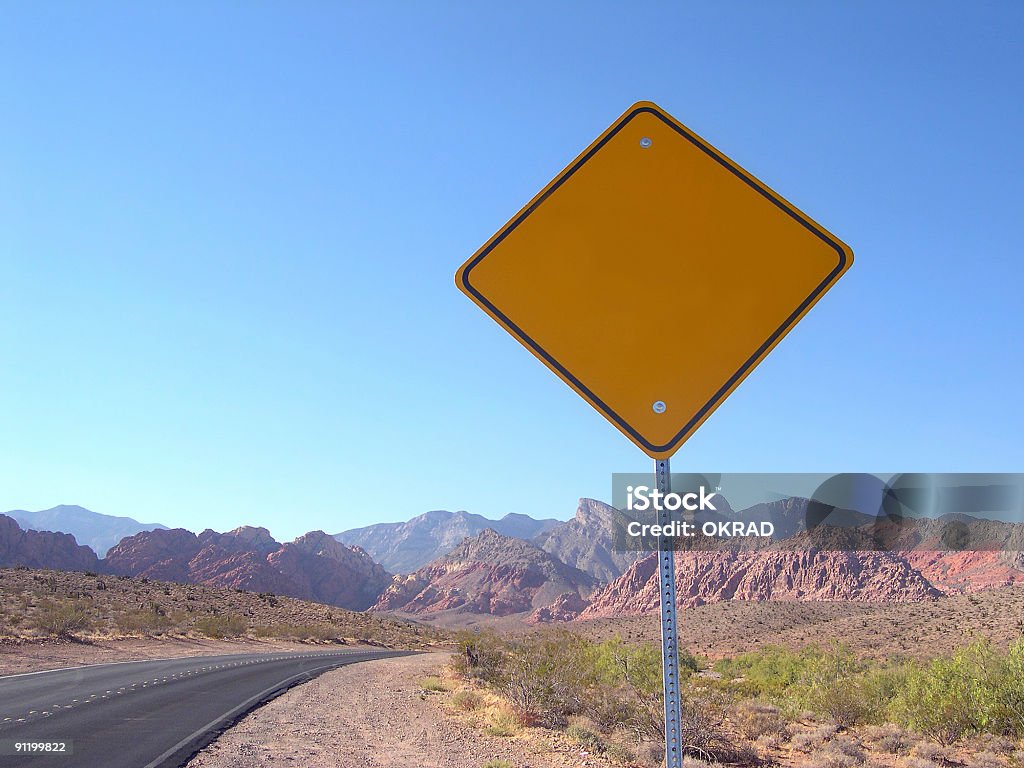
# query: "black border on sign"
[[750, 362]]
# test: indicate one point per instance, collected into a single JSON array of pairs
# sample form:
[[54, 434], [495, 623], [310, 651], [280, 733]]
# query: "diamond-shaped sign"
[[652, 275]]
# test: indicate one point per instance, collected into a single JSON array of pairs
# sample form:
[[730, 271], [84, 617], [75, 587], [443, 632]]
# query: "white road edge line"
[[231, 712], [136, 661]]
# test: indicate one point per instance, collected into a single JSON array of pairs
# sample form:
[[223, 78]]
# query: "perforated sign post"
[[652, 275]]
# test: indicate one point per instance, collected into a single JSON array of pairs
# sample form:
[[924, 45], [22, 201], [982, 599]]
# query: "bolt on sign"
[[652, 275]]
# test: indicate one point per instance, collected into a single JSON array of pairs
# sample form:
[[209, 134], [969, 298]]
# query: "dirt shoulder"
[[32, 656], [375, 715]]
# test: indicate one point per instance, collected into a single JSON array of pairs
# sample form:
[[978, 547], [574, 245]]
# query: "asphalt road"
[[147, 714]]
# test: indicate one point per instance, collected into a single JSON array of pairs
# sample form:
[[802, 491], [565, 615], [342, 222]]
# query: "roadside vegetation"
[[815, 707], [87, 607]]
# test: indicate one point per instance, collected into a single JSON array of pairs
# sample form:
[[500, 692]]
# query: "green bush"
[[620, 753], [63, 619], [434, 685], [833, 684], [553, 675], [1005, 678], [767, 673], [585, 738], [480, 655], [143, 621], [467, 701], [947, 698], [504, 722]]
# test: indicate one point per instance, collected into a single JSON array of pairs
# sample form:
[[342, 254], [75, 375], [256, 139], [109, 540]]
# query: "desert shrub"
[[480, 656], [221, 626], [497, 764], [1005, 678], [946, 699], [987, 742], [755, 719], [926, 750], [833, 685], [845, 744], [301, 632], [548, 675], [829, 759], [585, 738], [467, 701], [151, 619], [61, 619], [813, 739], [890, 739], [768, 673], [986, 760], [314, 632], [504, 721], [704, 730], [434, 684], [626, 687], [619, 753]]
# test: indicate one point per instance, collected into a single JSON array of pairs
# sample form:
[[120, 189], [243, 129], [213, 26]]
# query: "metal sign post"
[[560, 278], [669, 631]]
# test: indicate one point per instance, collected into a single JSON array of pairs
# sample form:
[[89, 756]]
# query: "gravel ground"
[[374, 715]]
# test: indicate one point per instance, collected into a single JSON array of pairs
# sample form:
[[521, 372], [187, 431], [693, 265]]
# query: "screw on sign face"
[[664, 234]]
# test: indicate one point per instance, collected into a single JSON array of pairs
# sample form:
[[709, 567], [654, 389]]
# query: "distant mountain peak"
[[588, 541], [405, 547], [43, 549], [97, 531], [490, 574]]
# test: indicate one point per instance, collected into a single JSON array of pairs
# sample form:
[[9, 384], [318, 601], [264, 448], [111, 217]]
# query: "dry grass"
[[877, 630], [434, 684], [39, 604]]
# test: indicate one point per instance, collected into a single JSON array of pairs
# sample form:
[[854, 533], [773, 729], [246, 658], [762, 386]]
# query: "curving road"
[[147, 714]]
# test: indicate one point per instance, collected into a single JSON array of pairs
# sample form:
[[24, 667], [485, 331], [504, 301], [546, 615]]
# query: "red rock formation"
[[43, 549], [160, 555], [566, 607], [487, 574], [714, 576], [218, 567], [964, 572], [331, 572], [313, 567]]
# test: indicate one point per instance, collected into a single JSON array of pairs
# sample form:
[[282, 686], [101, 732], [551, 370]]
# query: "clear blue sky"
[[228, 237]]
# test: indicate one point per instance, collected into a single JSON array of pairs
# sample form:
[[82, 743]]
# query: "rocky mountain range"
[[758, 575], [557, 571], [313, 567], [490, 574], [405, 547], [587, 541], [43, 549], [99, 532]]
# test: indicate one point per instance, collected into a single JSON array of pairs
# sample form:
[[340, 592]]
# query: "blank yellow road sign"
[[652, 275]]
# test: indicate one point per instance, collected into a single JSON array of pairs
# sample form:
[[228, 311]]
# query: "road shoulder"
[[372, 715]]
